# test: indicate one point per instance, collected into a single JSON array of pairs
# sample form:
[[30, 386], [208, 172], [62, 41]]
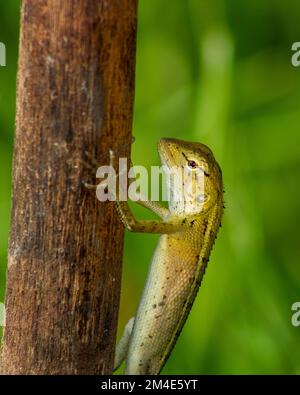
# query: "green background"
[[218, 72]]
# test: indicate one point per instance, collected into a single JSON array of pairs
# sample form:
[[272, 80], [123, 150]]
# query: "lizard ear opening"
[[202, 198]]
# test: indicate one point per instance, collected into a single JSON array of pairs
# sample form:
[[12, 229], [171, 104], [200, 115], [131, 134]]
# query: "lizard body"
[[188, 230]]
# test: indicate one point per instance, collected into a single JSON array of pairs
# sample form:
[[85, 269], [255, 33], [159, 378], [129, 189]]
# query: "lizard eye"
[[192, 164]]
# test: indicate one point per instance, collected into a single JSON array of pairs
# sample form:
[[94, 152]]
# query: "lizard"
[[188, 229]]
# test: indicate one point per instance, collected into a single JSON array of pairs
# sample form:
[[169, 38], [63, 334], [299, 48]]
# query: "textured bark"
[[75, 101]]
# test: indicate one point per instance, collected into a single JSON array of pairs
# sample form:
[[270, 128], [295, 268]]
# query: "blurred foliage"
[[218, 72]]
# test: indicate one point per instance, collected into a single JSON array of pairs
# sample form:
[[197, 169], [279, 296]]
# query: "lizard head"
[[201, 183]]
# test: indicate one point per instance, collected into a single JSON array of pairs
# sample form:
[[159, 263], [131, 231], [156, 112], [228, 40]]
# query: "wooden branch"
[[75, 101]]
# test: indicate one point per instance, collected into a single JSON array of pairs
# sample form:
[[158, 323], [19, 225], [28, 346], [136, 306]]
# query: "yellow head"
[[201, 185]]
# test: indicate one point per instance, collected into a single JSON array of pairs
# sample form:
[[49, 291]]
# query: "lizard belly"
[[168, 287]]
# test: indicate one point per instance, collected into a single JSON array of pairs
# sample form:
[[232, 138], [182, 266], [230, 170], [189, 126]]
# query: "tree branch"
[[75, 101]]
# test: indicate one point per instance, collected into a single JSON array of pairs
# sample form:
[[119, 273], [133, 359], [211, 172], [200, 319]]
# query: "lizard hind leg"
[[122, 346]]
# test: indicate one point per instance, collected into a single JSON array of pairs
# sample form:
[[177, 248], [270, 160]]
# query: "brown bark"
[[75, 101]]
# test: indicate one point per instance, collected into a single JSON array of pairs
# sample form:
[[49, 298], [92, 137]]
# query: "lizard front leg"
[[148, 226], [153, 206], [145, 226]]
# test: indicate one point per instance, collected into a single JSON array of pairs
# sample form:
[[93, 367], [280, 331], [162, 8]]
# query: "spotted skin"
[[188, 231]]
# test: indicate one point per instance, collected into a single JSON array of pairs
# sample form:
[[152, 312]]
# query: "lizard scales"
[[179, 261]]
